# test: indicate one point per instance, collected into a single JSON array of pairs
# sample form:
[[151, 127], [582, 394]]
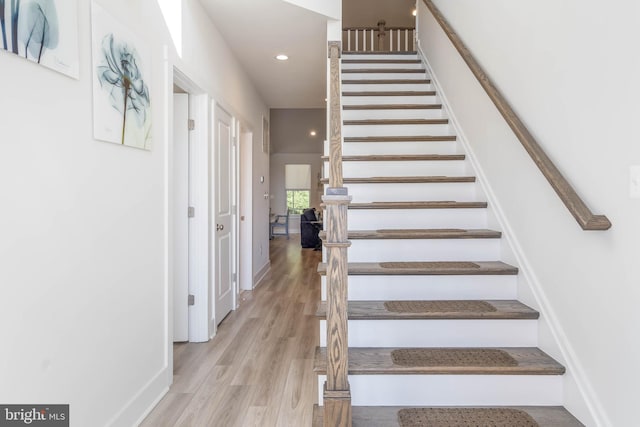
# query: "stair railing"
[[379, 39], [337, 394], [583, 215]]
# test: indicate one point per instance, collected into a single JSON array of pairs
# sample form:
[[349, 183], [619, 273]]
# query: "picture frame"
[[121, 69], [42, 31]]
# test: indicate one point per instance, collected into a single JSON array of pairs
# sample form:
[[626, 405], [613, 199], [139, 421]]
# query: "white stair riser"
[[392, 114], [462, 192], [375, 219], [424, 250], [396, 130], [385, 66], [377, 87], [453, 390], [384, 76], [367, 56], [397, 148], [411, 288], [361, 169], [439, 333], [400, 148], [391, 100]]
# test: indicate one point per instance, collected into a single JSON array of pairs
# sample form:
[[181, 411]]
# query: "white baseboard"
[[143, 402], [262, 273]]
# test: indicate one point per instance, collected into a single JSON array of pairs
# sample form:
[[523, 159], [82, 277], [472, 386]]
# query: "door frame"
[[245, 208], [179, 173], [198, 198]]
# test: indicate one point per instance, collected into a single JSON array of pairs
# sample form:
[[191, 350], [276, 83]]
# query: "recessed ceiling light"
[[312, 133], [282, 57]]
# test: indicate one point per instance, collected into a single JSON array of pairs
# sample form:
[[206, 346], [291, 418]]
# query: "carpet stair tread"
[[387, 416], [439, 204], [381, 61], [404, 179], [459, 309], [400, 157], [436, 233], [426, 268], [445, 361], [378, 52], [397, 122], [392, 93], [383, 70], [393, 107], [386, 81], [391, 138]]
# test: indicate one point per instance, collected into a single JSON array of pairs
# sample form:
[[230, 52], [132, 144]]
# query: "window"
[[298, 186]]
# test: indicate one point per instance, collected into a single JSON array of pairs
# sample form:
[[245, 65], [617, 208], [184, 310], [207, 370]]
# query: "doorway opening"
[[245, 226], [180, 212], [188, 195]]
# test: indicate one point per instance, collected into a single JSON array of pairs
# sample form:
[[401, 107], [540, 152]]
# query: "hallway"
[[257, 371]]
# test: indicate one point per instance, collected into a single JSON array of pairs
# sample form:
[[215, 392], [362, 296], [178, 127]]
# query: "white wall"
[[228, 82], [570, 71], [83, 225], [278, 192], [329, 8], [367, 13]]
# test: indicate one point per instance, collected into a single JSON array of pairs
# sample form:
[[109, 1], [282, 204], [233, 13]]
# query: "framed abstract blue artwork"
[[121, 66], [42, 31]]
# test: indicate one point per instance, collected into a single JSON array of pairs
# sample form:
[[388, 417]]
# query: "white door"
[[180, 217], [222, 213]]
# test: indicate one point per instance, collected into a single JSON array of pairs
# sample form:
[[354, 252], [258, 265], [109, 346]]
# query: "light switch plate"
[[634, 182]]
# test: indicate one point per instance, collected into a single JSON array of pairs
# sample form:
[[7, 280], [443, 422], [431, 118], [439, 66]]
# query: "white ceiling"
[[258, 30]]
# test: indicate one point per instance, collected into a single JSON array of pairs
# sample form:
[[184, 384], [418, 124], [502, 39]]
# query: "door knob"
[[219, 227]]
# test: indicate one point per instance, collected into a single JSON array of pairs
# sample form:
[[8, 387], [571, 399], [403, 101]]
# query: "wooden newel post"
[[337, 394], [335, 119]]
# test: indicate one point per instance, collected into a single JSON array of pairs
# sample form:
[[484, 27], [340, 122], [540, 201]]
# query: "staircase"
[[436, 334]]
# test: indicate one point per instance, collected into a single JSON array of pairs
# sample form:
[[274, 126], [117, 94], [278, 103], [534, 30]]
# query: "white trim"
[[245, 278], [566, 350], [236, 213], [168, 219], [261, 274], [143, 402], [198, 198]]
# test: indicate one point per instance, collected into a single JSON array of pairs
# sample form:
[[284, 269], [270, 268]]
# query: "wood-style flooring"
[[258, 370]]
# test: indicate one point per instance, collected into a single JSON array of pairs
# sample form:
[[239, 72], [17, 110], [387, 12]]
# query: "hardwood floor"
[[258, 370]]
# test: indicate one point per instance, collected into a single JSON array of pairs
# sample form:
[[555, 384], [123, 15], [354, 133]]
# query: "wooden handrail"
[[337, 394], [376, 28], [573, 202]]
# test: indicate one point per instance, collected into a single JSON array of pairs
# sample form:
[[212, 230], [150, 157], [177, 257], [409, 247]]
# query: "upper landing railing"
[[573, 202], [379, 39]]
